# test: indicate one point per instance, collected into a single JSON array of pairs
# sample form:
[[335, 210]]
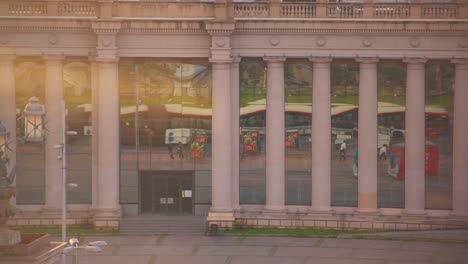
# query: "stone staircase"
[[159, 224]]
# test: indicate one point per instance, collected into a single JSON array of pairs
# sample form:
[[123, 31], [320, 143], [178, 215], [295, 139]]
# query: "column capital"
[[7, 58], [220, 62], [53, 58], [105, 60], [318, 59], [459, 61], [367, 60], [274, 59], [236, 59], [415, 60]]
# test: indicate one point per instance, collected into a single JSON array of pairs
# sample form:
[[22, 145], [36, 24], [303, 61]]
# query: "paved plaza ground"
[[440, 247]]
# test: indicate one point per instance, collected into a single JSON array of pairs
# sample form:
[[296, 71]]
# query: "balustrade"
[[77, 9], [345, 10], [204, 9], [298, 10], [20, 8], [440, 11], [251, 10], [392, 11]]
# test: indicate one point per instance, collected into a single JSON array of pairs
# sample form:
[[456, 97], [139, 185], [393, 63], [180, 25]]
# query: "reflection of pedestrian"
[[356, 163], [356, 157], [343, 150], [383, 152], [171, 154], [180, 151]]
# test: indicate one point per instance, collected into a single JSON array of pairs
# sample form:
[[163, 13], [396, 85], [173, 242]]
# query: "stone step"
[[153, 224]]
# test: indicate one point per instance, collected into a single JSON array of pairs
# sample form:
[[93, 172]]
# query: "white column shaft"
[[275, 167], [235, 132], [94, 140], [460, 144], [414, 137], [55, 130], [221, 138], [321, 136], [108, 137], [8, 106], [367, 136]]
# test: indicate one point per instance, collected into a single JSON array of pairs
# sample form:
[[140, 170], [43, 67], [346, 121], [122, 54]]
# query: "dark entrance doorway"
[[166, 192]]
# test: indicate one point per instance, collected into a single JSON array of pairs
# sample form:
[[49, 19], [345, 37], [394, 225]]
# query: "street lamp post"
[[63, 148], [75, 247]]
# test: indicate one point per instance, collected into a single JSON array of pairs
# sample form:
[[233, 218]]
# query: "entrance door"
[[166, 192]]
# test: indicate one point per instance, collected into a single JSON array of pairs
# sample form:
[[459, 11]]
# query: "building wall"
[[104, 36]]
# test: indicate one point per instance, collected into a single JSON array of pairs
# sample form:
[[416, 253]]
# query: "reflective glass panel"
[[77, 89], [344, 122], [391, 130], [165, 114], [298, 120], [252, 85], [439, 84], [30, 156]]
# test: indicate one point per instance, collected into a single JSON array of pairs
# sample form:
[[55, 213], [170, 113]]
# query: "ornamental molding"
[[219, 28], [38, 26], [351, 27], [106, 26], [162, 27]]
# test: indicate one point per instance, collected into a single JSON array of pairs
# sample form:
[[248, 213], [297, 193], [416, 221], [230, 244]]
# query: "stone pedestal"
[[224, 220], [7, 237]]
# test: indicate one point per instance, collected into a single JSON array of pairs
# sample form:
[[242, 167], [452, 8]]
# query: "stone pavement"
[[271, 250]]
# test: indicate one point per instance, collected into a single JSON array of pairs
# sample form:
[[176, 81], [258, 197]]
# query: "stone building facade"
[[192, 59]]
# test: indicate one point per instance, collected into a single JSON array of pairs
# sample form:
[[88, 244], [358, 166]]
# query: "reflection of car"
[[396, 160]]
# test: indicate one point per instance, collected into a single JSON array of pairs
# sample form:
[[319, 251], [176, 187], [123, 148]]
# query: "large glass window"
[[439, 81], [30, 180], [298, 119], [252, 131], [391, 133], [165, 114], [344, 115], [77, 90]]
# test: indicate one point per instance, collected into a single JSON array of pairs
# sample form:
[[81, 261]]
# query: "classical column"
[[460, 144], [55, 131], [321, 135], [235, 93], [221, 138], [367, 136], [274, 134], [107, 213], [414, 137], [94, 140], [8, 106]]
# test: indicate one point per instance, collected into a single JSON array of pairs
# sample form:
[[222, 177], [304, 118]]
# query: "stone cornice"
[[399, 27], [104, 26], [162, 27], [220, 28], [45, 25]]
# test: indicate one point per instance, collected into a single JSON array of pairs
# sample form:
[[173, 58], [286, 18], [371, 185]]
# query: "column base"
[[51, 212], [320, 211], [459, 214], [9, 237], [107, 218], [367, 211], [220, 220], [274, 209], [410, 213]]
